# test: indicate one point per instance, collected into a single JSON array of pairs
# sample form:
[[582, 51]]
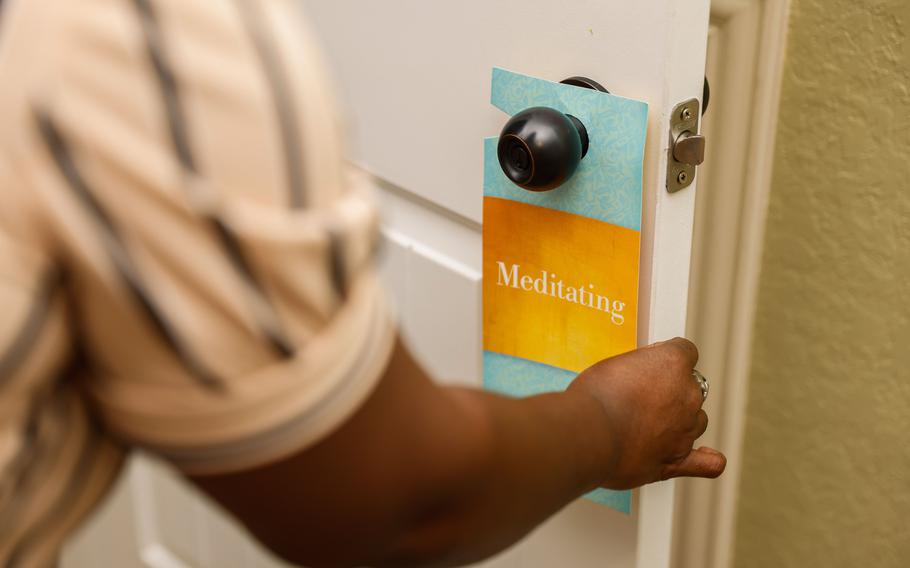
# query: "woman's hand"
[[653, 414]]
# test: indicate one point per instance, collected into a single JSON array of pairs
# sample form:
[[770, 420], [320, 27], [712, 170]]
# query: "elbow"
[[436, 543], [447, 534], [435, 536]]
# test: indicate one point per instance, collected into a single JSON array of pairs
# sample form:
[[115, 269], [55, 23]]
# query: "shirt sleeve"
[[220, 252], [55, 463]]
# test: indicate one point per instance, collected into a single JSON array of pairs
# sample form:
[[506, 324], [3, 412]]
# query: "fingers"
[[701, 424], [688, 349], [703, 462], [680, 347]]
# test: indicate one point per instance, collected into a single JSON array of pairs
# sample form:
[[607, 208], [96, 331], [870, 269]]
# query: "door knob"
[[540, 148]]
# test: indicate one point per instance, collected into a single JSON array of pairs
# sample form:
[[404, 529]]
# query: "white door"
[[414, 76]]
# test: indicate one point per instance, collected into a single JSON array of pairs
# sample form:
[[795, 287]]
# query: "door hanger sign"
[[560, 267]]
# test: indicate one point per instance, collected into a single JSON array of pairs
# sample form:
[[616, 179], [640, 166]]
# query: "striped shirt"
[[185, 262]]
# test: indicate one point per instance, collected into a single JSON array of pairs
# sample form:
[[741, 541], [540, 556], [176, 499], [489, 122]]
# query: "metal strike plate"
[[686, 149]]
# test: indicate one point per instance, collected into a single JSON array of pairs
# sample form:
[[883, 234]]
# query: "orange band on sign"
[[559, 288]]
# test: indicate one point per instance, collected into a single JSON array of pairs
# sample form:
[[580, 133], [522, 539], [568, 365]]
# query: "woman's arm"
[[428, 475]]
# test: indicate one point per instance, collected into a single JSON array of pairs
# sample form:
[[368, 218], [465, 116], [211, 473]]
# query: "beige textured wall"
[[826, 478]]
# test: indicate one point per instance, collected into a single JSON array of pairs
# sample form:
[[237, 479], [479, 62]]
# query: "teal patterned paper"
[[499, 371], [606, 186], [607, 183]]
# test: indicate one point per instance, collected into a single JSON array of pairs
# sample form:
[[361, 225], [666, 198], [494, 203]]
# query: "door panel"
[[169, 516], [110, 536], [442, 316]]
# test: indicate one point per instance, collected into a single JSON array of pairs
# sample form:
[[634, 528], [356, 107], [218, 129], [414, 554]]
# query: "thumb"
[[703, 462]]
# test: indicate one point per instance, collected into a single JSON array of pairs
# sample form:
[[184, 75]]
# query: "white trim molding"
[[746, 50]]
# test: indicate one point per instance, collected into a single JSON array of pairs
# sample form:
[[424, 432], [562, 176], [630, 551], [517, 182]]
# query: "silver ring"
[[702, 382]]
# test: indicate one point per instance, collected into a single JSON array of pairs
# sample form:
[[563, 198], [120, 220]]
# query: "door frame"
[[747, 47]]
